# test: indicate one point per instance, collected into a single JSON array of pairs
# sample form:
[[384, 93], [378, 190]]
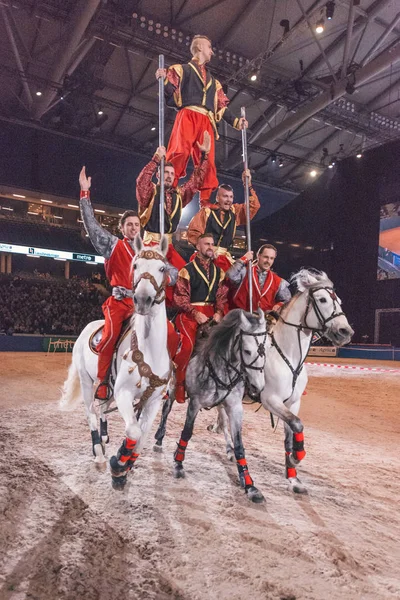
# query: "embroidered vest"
[[192, 91], [150, 216], [222, 232], [202, 287], [118, 267], [265, 298]]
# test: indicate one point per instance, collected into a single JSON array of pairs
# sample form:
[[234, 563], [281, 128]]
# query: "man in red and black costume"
[[269, 290], [118, 256], [221, 221], [200, 295], [176, 198], [201, 104]]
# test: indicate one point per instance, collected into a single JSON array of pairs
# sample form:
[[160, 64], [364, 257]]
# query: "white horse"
[[314, 308], [142, 365], [230, 359]]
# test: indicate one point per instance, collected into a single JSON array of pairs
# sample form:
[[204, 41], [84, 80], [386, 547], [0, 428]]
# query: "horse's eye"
[[323, 300], [162, 269], [134, 267], [247, 352]]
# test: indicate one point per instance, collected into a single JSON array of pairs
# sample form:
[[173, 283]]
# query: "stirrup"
[[108, 395]]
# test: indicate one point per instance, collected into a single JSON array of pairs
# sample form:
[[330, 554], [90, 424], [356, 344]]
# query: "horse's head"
[[252, 348], [149, 274], [324, 308]]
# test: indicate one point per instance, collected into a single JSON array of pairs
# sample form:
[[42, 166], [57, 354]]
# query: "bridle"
[[311, 303], [160, 289], [236, 375]]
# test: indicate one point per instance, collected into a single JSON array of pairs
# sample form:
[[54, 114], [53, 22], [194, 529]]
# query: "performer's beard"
[[209, 255]]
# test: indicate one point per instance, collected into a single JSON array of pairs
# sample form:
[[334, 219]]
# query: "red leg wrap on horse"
[[126, 450], [180, 451], [291, 472], [244, 470], [298, 446]]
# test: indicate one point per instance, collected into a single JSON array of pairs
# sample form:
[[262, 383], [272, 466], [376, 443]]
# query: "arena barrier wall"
[[37, 343]]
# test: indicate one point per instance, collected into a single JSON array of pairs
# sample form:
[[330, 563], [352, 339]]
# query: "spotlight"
[[330, 10], [286, 26], [280, 162], [313, 173], [100, 112], [153, 128], [359, 154], [253, 76], [273, 158], [320, 26], [333, 161], [38, 93], [330, 166]]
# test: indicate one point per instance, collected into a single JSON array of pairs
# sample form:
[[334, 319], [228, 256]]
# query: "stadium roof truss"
[[86, 68]]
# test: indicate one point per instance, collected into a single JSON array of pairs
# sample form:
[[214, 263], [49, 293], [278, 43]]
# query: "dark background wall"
[[44, 161], [339, 217]]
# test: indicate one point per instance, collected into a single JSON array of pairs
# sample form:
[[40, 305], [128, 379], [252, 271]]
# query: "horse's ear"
[[245, 324], [261, 315], [138, 244], [164, 245]]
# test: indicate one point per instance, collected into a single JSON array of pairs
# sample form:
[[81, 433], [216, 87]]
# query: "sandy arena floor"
[[66, 534]]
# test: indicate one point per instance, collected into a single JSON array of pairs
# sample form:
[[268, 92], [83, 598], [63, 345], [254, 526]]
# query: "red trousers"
[[188, 129], [187, 327], [115, 312]]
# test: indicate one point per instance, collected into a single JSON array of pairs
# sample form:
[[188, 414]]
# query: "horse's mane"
[[217, 345], [306, 279]]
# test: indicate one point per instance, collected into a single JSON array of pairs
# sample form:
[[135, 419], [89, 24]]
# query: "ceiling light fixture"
[[330, 10], [313, 173], [320, 26]]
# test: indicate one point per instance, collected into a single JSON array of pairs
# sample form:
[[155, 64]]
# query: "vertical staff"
[[247, 205], [161, 140]]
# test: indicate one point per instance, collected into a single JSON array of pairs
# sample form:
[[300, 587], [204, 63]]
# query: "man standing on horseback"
[[220, 221], [118, 256], [200, 295], [269, 290], [176, 198], [201, 104]]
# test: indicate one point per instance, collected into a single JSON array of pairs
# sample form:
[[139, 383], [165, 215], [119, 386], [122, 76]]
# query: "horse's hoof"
[[118, 483], [158, 447], [214, 428], [254, 495], [99, 457], [179, 472], [297, 486]]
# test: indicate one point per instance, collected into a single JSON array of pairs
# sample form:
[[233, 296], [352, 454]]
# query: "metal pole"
[[161, 140], [247, 204]]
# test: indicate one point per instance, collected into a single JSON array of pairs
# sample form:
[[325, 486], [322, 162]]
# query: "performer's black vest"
[[193, 90], [203, 288], [150, 217], [222, 232]]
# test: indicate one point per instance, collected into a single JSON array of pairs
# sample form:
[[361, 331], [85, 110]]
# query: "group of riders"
[[211, 283]]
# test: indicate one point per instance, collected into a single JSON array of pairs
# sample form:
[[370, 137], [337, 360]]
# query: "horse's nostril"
[[343, 331], [135, 298]]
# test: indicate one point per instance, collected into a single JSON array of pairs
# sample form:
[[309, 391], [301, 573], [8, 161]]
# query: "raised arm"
[[103, 241], [238, 270], [144, 184], [240, 209]]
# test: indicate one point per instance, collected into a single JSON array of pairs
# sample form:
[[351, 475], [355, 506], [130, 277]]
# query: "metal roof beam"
[[80, 19]]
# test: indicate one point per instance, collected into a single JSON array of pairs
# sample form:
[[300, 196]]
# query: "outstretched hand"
[[246, 173], [206, 145], [84, 182]]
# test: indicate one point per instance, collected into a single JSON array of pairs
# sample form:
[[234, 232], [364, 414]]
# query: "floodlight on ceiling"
[[330, 10], [313, 173], [320, 26], [359, 154]]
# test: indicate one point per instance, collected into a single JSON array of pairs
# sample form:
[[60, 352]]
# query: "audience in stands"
[[47, 306]]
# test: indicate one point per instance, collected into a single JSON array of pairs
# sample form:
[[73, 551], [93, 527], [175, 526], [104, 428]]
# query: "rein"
[[160, 289], [239, 374], [311, 301], [137, 355]]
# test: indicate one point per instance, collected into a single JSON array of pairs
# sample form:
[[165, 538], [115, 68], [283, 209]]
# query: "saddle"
[[95, 338]]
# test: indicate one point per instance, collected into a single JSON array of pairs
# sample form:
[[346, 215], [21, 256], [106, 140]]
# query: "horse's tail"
[[71, 390]]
